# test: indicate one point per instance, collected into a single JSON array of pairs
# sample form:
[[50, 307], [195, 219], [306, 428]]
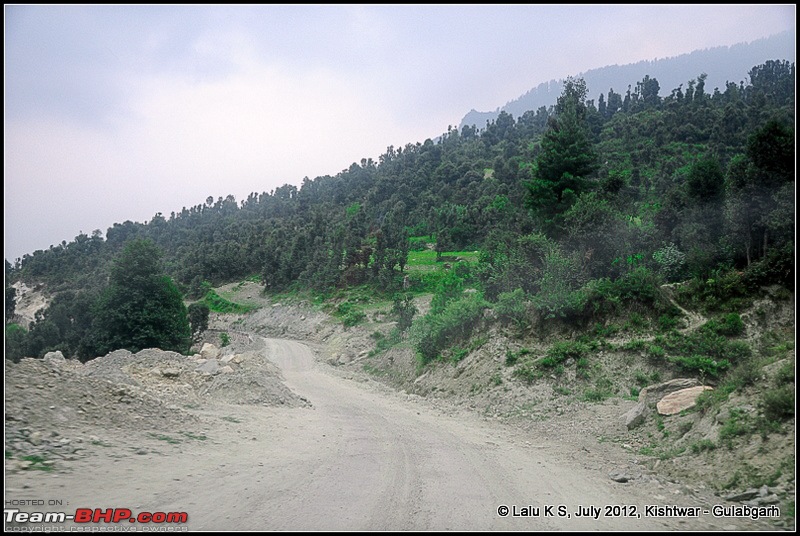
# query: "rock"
[[650, 395], [723, 416], [54, 358], [209, 351], [209, 367], [622, 475], [659, 391], [227, 369], [680, 400], [636, 415], [171, 372], [226, 359], [35, 438], [743, 496]]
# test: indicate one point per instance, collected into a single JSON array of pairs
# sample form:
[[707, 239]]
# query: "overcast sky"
[[115, 113]]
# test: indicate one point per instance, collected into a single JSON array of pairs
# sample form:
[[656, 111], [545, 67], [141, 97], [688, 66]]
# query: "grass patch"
[[513, 357], [218, 304], [168, 439], [602, 389], [702, 446], [350, 313], [190, 435], [231, 419], [563, 350], [38, 463]]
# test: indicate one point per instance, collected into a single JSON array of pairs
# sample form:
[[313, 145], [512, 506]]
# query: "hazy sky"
[[115, 113]]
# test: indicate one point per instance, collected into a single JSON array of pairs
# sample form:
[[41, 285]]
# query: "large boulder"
[[680, 400], [649, 397], [54, 358], [209, 351]]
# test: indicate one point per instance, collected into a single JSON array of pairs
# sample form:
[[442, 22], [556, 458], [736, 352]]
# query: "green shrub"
[[667, 322], [560, 294], [403, 309], [433, 333], [671, 262], [350, 313], [785, 374], [527, 373], [656, 352], [563, 350], [737, 425], [225, 339], [511, 307], [702, 364], [605, 331], [729, 325], [450, 288], [634, 345], [703, 445], [777, 404], [724, 290], [603, 389]]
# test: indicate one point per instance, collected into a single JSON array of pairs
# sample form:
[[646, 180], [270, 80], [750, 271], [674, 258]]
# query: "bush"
[[737, 425], [350, 313], [671, 262], [512, 308], [433, 333], [703, 445], [527, 373], [225, 339], [702, 364], [729, 325], [559, 294], [563, 350], [778, 404], [724, 290], [16, 342], [785, 374], [403, 309], [667, 322]]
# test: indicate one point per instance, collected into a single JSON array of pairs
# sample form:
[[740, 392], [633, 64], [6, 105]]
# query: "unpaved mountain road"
[[362, 458]]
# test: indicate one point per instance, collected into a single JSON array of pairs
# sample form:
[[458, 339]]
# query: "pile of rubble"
[[53, 405]]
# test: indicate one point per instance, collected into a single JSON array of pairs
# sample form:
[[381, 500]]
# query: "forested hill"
[[696, 183], [720, 64]]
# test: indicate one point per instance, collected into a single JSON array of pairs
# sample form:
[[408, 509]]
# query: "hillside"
[[94, 424], [721, 64]]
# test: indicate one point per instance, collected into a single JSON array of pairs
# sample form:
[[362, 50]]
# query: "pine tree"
[[142, 307]]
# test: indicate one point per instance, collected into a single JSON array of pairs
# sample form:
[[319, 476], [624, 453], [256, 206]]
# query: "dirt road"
[[362, 458]]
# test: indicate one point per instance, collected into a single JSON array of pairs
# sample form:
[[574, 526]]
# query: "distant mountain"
[[721, 64]]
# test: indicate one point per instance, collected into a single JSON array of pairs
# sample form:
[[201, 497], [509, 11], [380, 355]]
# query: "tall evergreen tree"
[[142, 307]]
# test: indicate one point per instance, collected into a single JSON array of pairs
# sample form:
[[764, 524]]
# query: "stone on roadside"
[[209, 351], [209, 367], [680, 400], [54, 358]]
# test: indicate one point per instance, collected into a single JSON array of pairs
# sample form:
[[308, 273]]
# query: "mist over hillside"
[[721, 64]]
